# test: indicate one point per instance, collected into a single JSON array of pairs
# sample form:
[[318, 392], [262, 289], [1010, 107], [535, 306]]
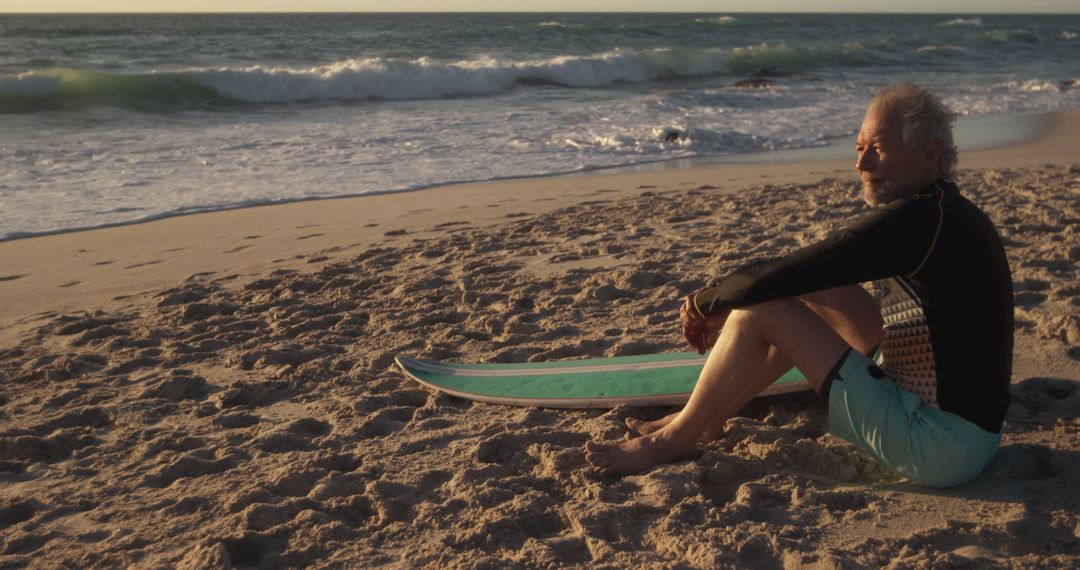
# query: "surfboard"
[[644, 380]]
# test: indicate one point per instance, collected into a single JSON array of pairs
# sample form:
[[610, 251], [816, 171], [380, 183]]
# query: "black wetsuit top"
[[947, 303]]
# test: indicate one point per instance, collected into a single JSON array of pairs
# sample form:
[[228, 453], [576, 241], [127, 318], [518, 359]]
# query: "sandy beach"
[[219, 390]]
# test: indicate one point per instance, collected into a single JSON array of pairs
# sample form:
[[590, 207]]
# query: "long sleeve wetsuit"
[[947, 307]]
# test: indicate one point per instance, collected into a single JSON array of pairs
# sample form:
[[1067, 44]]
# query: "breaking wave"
[[382, 78], [962, 22], [349, 80]]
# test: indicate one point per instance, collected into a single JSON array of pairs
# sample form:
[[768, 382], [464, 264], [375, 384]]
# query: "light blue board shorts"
[[928, 446]]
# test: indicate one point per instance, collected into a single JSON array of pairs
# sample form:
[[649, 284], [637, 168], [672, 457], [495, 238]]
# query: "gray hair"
[[924, 118]]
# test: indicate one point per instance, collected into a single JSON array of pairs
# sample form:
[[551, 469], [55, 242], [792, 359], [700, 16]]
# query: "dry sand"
[[215, 408]]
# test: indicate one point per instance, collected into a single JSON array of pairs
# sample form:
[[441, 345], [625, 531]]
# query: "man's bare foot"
[[642, 427], [640, 454]]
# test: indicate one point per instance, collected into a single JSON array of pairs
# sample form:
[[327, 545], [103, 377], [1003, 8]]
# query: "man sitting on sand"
[[931, 406]]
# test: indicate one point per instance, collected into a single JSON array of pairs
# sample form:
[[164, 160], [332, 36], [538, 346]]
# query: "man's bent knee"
[[770, 310]]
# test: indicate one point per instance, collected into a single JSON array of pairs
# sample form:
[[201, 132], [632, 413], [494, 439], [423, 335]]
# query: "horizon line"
[[822, 12]]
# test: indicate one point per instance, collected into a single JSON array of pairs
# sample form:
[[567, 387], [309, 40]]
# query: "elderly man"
[[931, 406]]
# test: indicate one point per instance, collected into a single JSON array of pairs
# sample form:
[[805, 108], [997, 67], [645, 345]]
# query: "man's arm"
[[887, 242]]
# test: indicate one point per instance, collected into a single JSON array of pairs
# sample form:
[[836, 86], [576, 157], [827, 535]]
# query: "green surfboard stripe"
[[576, 384], [637, 359]]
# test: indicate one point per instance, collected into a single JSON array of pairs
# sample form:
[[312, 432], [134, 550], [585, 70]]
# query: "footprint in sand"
[[138, 265], [570, 548], [261, 517], [387, 421], [106, 331], [235, 420], [686, 217], [391, 501], [172, 441], [836, 502], [247, 550], [179, 385], [293, 482], [188, 465], [252, 394], [186, 506], [16, 510], [74, 324], [501, 449], [67, 367], [141, 359], [338, 485], [27, 543], [1047, 395], [449, 225], [85, 417], [432, 480], [411, 398], [94, 536], [1031, 462], [297, 435]]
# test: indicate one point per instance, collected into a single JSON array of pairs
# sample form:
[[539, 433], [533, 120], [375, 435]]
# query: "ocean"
[[111, 119]]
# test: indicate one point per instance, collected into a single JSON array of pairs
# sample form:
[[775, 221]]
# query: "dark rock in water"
[[672, 135], [758, 79], [753, 83], [1070, 83]]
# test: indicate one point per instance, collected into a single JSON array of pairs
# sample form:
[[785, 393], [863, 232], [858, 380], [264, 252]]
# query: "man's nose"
[[864, 160]]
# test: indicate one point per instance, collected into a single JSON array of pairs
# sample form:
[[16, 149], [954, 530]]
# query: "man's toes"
[[591, 447], [600, 462]]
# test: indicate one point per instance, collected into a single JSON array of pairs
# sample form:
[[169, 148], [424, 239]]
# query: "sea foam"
[[396, 79]]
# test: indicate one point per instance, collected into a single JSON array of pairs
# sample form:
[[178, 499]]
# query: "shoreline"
[[1023, 127], [109, 267]]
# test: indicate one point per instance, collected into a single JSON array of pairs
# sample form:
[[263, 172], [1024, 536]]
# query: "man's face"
[[888, 169]]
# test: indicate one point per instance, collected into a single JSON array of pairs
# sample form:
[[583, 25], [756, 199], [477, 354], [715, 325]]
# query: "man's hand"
[[700, 332]]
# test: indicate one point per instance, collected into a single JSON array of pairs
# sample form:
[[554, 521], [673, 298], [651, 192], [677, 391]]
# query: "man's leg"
[[852, 312], [776, 363], [735, 372], [849, 310]]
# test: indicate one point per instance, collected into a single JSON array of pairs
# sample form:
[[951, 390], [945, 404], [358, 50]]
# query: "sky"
[[719, 6]]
